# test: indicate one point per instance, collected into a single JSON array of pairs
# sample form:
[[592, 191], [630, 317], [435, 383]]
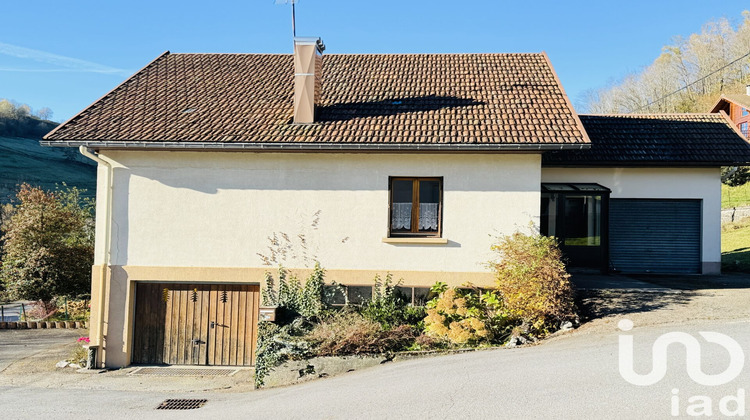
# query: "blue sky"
[[65, 55]]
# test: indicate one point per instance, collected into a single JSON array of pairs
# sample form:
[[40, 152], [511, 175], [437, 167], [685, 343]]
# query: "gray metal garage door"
[[655, 236]]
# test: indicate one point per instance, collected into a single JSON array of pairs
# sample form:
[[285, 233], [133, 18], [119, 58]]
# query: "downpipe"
[[99, 343]]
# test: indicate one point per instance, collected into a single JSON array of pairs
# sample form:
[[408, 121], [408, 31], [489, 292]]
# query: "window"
[[339, 296], [416, 206], [743, 128], [744, 112]]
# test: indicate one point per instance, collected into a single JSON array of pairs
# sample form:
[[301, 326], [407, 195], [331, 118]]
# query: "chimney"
[[747, 90], [308, 65]]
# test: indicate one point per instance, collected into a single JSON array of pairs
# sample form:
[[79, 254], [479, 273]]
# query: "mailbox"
[[268, 313]]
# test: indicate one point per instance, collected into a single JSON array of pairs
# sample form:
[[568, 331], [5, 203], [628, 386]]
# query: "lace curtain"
[[401, 216], [428, 216]]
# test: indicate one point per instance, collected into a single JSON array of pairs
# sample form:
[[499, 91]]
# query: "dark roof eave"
[[641, 164], [163, 145]]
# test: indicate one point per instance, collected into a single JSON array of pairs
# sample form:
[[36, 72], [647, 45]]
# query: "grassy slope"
[[735, 196], [735, 246], [25, 160]]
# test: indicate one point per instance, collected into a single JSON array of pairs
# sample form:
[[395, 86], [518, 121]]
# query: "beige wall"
[[205, 217], [701, 183], [206, 209]]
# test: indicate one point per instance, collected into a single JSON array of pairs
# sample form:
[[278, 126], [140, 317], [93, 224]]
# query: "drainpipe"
[[107, 240]]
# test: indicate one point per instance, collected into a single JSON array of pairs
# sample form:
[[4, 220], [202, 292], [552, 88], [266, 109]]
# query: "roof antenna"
[[292, 2]]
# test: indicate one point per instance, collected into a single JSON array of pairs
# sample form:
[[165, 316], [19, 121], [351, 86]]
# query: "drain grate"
[[181, 404], [183, 372]]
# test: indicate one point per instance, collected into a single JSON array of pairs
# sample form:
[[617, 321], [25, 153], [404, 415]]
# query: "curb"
[[40, 325]]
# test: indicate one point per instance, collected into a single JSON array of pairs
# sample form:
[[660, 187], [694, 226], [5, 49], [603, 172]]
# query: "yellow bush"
[[532, 281], [457, 317]]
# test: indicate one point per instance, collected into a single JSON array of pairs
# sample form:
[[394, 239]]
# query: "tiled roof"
[[490, 100], [657, 140], [738, 99]]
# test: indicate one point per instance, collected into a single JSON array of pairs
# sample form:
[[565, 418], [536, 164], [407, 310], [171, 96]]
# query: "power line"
[[690, 84]]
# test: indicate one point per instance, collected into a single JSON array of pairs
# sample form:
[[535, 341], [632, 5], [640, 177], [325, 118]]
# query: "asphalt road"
[[573, 377]]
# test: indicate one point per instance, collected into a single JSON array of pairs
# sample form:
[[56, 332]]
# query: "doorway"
[[195, 324], [576, 215]]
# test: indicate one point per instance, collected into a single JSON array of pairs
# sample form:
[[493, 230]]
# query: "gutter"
[[99, 343], [354, 147]]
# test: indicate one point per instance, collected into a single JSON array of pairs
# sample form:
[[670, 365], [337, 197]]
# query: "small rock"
[[565, 326], [516, 340], [62, 364]]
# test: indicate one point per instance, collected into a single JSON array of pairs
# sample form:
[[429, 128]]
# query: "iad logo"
[[700, 405], [692, 354]]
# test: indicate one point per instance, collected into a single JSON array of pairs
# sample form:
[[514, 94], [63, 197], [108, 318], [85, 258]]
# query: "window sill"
[[407, 240]]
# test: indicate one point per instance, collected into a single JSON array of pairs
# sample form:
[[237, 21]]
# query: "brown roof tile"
[[417, 99], [656, 140]]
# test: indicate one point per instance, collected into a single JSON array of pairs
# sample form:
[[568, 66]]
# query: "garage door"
[[195, 324], [655, 236]]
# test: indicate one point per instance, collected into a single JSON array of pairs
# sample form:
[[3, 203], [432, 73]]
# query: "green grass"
[[735, 246], [735, 196], [25, 160]]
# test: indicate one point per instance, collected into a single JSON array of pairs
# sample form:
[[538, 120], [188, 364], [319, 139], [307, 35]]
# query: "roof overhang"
[[643, 164], [349, 147], [719, 105]]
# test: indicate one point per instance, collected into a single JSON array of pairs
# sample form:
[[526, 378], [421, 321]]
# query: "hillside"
[[25, 160], [688, 75]]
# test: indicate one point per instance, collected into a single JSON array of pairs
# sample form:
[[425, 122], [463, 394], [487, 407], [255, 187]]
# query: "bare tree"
[[44, 113], [688, 76]]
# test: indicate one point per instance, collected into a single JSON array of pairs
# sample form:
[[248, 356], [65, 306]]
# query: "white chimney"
[[308, 65], [747, 90]]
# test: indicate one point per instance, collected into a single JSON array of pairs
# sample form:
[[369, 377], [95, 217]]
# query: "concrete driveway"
[[18, 345]]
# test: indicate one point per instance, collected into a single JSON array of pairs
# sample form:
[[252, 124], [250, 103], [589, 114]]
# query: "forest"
[[688, 76]]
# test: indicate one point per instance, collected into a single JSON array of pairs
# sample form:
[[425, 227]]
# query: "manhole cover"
[[183, 372], [181, 404]]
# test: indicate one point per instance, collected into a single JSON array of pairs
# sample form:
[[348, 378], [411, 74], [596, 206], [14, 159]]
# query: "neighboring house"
[[737, 107], [212, 166]]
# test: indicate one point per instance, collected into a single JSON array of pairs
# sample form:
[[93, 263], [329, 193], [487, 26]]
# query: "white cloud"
[[63, 63]]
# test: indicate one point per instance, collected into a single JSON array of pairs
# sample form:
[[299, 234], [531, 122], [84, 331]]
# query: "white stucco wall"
[[218, 209], [688, 183]]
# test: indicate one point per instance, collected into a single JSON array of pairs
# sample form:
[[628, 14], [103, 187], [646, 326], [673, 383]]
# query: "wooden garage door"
[[195, 324]]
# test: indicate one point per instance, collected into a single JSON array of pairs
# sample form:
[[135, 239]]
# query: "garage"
[[655, 236], [195, 324]]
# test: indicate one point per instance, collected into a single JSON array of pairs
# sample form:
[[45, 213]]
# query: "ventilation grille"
[[148, 371], [181, 404]]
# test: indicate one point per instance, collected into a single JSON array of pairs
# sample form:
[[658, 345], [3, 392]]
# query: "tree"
[[688, 75], [48, 245], [7, 110], [44, 113]]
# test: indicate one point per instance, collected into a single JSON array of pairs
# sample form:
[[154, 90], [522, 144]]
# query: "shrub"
[[48, 244], [41, 310], [277, 344], [532, 281], [463, 316], [307, 300], [79, 355], [389, 307], [347, 332]]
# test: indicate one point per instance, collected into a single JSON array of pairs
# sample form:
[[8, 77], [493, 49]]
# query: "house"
[[737, 107], [213, 166]]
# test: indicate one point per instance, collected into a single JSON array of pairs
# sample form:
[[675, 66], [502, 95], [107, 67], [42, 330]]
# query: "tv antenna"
[[292, 2]]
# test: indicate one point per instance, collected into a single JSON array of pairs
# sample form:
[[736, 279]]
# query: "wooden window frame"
[[415, 233]]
